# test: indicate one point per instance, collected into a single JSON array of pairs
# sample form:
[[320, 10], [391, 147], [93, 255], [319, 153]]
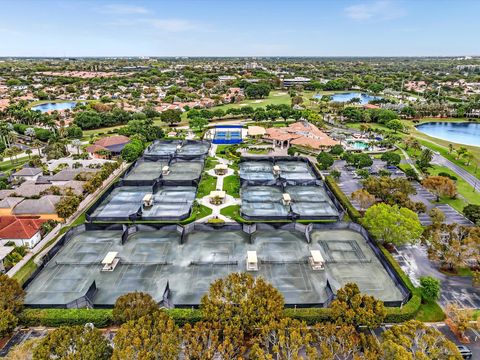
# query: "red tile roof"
[[12, 227], [112, 140]]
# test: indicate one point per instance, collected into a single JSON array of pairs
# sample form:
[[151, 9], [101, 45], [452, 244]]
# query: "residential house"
[[27, 173], [43, 208], [7, 204], [113, 144], [23, 231]]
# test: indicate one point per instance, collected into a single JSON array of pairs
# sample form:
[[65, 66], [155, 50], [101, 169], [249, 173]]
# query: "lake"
[[457, 132], [346, 97], [45, 107]]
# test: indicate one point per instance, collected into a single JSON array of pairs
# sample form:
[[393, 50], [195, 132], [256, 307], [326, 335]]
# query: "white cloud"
[[123, 9], [173, 25], [377, 10]]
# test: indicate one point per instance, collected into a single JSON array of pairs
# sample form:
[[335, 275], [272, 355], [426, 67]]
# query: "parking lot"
[[349, 182], [473, 335]]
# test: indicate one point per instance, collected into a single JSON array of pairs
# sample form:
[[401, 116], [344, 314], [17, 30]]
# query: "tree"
[[393, 191], [336, 149], [430, 288], [244, 301], [284, 339], [415, 340], [75, 342], [198, 123], [67, 206], [133, 150], [350, 307], [201, 341], [362, 160], [23, 351], [364, 198], [171, 117], [472, 213], [392, 224], [440, 186], [395, 125], [391, 158], [8, 322], [76, 144], [425, 159], [151, 337], [342, 342], [133, 306], [436, 215], [325, 160], [11, 294], [458, 318], [452, 245]]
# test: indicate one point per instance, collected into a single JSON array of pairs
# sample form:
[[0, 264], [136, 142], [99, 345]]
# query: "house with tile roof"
[[301, 133], [113, 144], [23, 231]]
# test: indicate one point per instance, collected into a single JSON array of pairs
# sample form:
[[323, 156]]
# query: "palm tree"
[[28, 152], [37, 144], [450, 148], [77, 143]]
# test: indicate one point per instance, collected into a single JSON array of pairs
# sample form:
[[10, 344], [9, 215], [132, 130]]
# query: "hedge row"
[[99, 317], [344, 200]]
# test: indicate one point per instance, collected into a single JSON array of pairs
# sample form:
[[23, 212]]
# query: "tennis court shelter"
[[188, 259]]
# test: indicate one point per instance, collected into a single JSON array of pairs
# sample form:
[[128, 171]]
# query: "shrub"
[[133, 306]]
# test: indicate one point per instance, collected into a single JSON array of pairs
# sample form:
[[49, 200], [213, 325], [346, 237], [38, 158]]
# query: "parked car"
[[465, 351]]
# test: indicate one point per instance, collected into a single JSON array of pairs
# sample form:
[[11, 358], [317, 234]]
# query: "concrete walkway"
[[229, 200], [410, 162]]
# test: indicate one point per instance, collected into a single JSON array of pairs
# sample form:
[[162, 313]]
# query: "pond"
[[46, 107], [457, 132], [346, 97]]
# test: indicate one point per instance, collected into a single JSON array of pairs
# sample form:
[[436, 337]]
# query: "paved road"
[[471, 179], [458, 289]]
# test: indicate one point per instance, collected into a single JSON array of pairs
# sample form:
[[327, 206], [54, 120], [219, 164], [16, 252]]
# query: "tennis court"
[[163, 148], [184, 170], [150, 257], [227, 134], [146, 171], [169, 203]]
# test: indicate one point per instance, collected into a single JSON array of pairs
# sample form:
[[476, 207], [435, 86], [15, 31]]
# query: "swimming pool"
[[227, 134]]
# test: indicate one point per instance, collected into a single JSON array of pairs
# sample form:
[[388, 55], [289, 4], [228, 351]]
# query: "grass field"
[[232, 212], [430, 312], [465, 190], [207, 185], [7, 165], [231, 184]]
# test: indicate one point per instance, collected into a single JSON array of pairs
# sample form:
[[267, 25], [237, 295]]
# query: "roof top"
[[12, 227], [28, 171], [112, 140], [44, 205], [10, 202]]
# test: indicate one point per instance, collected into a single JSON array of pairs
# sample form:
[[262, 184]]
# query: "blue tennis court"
[[228, 134]]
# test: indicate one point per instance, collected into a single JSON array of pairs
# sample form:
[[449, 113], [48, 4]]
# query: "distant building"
[[226, 78], [43, 208], [298, 80]]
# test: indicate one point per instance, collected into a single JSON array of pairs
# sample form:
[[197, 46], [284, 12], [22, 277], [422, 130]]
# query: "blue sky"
[[239, 28]]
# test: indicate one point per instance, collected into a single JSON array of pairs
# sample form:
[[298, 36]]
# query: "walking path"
[[229, 200]]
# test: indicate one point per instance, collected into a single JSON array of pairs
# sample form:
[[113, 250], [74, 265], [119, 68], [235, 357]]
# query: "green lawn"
[[7, 165], [430, 312], [202, 211], [465, 190], [231, 184], [210, 163], [232, 212], [207, 185]]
